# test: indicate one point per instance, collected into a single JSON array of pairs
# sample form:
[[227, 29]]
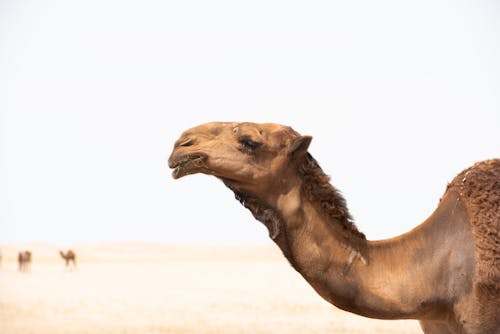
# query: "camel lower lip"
[[175, 173], [179, 172], [189, 165]]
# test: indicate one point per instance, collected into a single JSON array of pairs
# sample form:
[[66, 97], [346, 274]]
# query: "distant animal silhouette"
[[69, 257], [24, 260]]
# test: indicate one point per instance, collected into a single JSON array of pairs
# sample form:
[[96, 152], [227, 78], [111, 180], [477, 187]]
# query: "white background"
[[399, 97]]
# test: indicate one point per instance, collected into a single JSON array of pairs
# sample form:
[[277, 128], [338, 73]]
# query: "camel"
[[24, 261], [69, 257], [445, 272]]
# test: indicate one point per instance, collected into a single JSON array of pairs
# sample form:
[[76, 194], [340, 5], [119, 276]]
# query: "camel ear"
[[299, 146]]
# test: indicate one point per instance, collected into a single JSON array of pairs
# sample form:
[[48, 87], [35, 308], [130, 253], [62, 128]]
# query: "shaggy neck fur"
[[317, 189]]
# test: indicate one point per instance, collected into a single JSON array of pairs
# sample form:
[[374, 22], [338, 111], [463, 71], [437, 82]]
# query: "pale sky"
[[399, 97]]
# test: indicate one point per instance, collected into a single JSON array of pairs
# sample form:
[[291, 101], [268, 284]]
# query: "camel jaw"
[[187, 164]]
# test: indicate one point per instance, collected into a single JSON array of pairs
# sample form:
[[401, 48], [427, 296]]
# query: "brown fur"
[[479, 189], [316, 186], [444, 272]]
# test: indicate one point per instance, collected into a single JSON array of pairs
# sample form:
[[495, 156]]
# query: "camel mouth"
[[187, 164]]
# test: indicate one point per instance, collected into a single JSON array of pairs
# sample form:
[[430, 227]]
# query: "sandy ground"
[[143, 288]]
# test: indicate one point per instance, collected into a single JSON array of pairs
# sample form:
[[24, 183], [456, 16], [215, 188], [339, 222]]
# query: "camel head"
[[247, 157]]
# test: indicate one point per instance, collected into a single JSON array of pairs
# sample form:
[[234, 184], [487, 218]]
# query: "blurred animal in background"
[[69, 258], [24, 261]]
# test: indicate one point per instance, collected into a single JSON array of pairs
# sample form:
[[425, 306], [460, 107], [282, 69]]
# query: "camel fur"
[[444, 272]]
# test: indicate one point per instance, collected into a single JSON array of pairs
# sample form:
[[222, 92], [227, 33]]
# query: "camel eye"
[[248, 144]]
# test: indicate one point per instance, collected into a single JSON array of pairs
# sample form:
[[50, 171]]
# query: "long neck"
[[388, 279]]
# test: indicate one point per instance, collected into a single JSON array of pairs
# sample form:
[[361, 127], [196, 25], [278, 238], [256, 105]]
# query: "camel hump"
[[479, 190], [479, 177]]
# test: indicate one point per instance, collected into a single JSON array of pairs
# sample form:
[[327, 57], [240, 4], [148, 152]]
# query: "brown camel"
[[445, 272], [24, 261], [69, 257]]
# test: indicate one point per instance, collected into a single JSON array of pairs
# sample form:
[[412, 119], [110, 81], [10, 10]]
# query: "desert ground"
[[153, 288]]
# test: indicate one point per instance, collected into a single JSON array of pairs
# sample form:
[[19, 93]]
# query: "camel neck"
[[387, 279]]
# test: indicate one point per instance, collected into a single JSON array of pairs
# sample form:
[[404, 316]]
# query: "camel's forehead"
[[263, 128], [267, 130]]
